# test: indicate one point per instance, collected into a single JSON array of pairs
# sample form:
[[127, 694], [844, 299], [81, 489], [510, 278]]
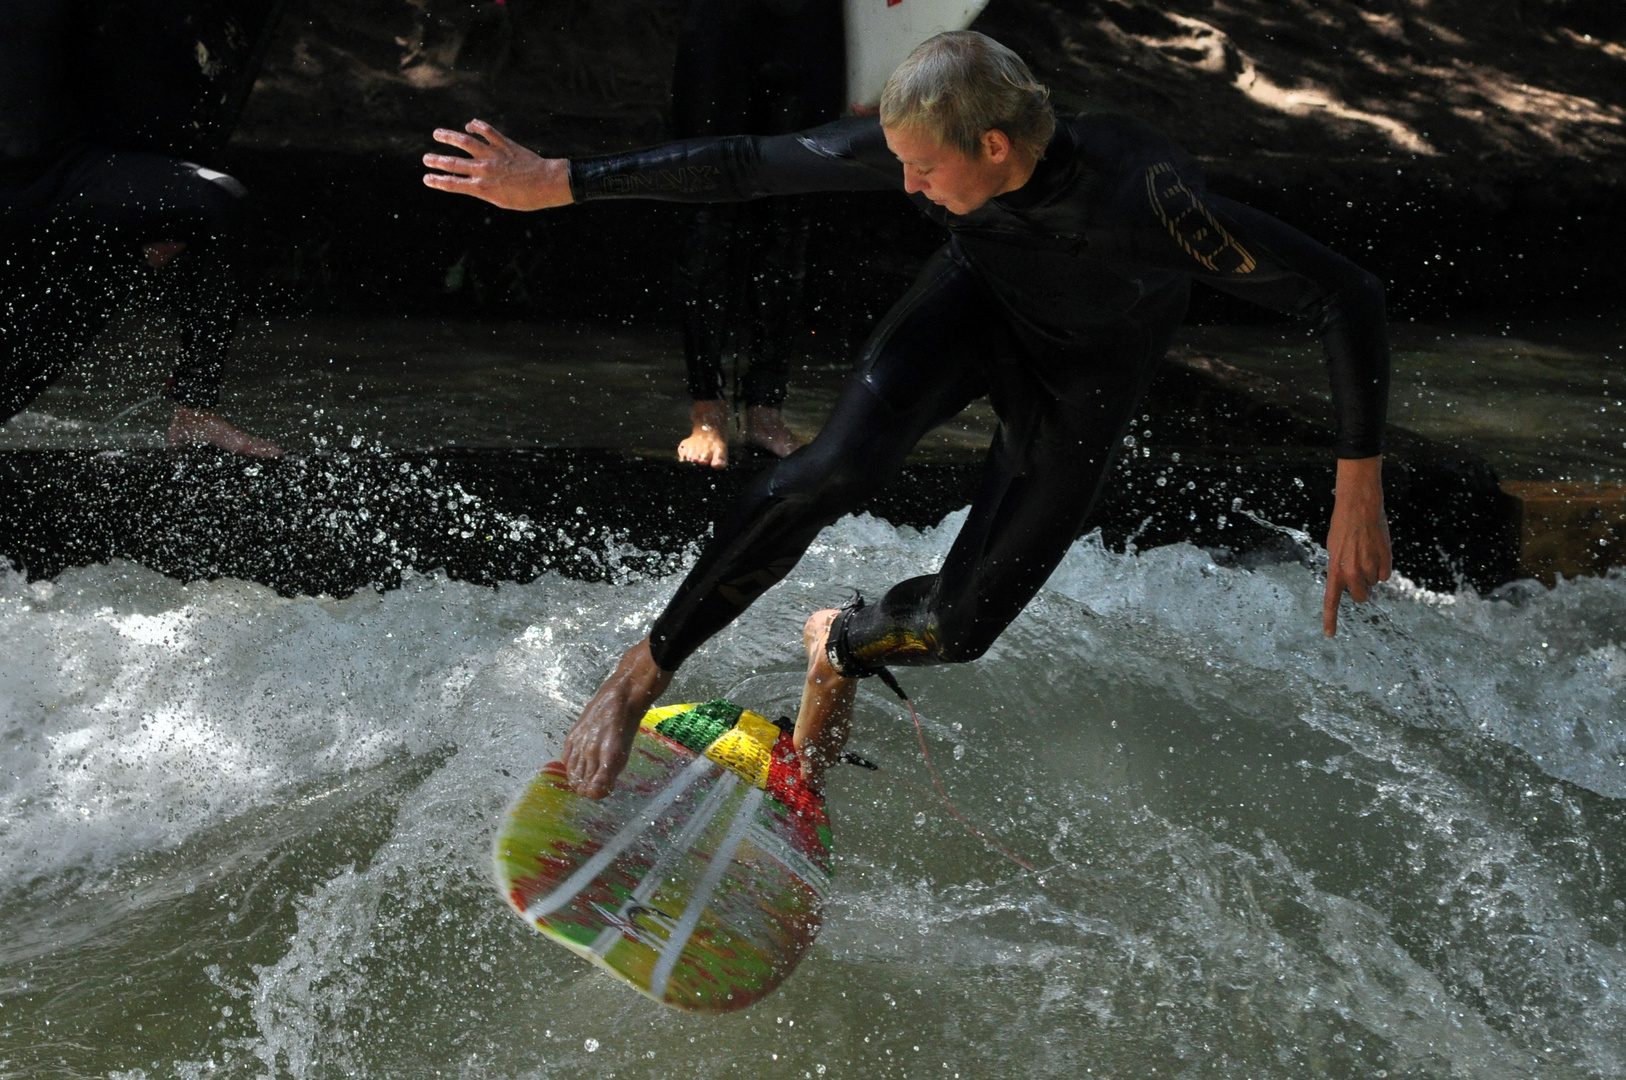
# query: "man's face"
[[953, 180]]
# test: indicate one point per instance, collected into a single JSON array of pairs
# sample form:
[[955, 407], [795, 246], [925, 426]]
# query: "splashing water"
[[244, 835]]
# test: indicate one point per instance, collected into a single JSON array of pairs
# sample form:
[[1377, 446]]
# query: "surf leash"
[[920, 733]]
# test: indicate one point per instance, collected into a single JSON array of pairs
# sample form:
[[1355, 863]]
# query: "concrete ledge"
[[1224, 458], [338, 523], [1571, 528]]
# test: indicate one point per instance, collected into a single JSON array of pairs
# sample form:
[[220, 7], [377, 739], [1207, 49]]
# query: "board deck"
[[880, 33], [699, 881]]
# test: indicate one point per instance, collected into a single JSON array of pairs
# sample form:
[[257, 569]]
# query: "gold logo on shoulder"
[[1193, 225]]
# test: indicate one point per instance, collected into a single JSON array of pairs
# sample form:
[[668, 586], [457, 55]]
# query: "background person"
[[84, 229]]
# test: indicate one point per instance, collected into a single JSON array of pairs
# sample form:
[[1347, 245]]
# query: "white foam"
[[1130, 732]]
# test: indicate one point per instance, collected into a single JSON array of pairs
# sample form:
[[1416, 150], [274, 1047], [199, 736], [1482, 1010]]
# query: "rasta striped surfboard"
[[700, 880]]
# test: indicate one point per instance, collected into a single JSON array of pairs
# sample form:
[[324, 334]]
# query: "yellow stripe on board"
[[746, 749], [760, 728], [740, 753]]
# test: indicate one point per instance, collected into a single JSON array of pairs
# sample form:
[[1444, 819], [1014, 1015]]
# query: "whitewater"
[[248, 835]]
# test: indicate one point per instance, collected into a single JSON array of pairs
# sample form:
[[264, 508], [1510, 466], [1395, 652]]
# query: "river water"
[[244, 835]]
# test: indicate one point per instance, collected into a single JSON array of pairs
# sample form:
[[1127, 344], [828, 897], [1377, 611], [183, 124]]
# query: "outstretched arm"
[[1254, 256], [497, 170], [846, 155], [1358, 554]]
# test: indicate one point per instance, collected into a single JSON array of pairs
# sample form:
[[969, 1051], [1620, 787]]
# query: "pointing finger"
[[1329, 606]]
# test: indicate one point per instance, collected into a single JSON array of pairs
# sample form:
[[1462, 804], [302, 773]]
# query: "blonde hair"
[[960, 84]]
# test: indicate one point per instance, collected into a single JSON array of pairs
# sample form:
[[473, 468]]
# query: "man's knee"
[[962, 647], [212, 199], [221, 188], [823, 499], [832, 479]]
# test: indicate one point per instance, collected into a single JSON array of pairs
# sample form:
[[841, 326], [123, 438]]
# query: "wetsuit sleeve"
[[1254, 256], [848, 155]]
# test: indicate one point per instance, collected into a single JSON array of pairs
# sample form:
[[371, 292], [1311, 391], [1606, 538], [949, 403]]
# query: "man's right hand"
[[502, 173]]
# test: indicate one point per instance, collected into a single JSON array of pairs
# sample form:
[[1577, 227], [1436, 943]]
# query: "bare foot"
[[765, 427], [708, 443], [160, 252], [597, 748], [825, 718], [200, 427]]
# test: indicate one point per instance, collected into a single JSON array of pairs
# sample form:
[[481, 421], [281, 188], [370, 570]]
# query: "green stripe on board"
[[702, 725]]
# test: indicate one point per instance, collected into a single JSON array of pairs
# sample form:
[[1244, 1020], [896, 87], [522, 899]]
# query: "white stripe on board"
[[653, 880], [776, 848], [618, 843], [720, 862]]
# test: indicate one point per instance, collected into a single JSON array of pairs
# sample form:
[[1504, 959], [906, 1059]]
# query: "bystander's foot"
[[765, 428], [200, 427], [707, 444]]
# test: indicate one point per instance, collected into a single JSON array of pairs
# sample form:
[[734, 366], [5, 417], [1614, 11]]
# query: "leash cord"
[[920, 733]]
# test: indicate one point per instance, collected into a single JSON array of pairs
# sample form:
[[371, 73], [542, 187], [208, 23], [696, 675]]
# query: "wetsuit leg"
[[928, 359], [1049, 460], [705, 289], [777, 286], [802, 81], [201, 286], [768, 66], [711, 82], [150, 197]]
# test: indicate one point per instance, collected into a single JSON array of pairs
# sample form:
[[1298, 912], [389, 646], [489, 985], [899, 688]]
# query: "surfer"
[[770, 66], [1072, 246], [84, 228]]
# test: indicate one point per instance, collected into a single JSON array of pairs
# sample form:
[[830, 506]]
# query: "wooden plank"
[[1572, 528]]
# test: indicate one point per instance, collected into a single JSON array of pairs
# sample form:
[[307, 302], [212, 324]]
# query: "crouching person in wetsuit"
[[84, 229], [1072, 248]]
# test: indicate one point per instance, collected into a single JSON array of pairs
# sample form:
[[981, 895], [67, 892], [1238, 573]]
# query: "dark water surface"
[[1542, 401]]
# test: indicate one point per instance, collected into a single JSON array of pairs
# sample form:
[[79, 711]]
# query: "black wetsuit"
[[74, 217], [750, 65], [1057, 300]]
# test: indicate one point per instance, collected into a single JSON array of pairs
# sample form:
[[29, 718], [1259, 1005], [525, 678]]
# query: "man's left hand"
[[1358, 554], [498, 170]]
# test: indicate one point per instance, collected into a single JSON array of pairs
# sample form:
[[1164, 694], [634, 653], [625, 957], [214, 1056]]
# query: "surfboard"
[[699, 881], [880, 33]]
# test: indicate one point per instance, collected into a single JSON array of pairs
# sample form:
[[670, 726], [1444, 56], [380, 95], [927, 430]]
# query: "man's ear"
[[996, 145]]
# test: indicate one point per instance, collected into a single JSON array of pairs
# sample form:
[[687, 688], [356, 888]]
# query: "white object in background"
[[880, 33]]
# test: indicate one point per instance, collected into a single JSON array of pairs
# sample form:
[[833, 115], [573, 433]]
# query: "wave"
[[263, 823]]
